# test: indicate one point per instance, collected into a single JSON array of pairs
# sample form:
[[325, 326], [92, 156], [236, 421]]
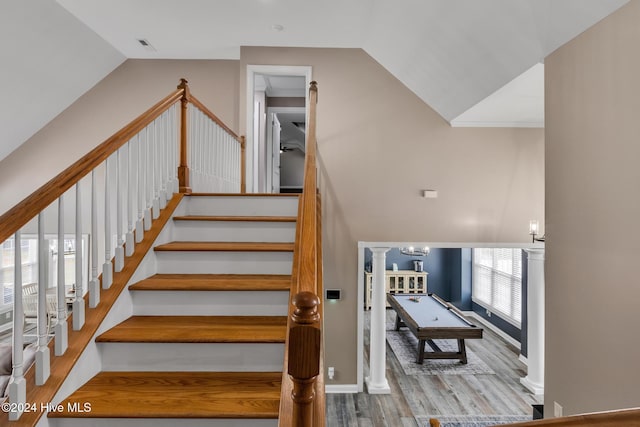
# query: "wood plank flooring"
[[422, 395]]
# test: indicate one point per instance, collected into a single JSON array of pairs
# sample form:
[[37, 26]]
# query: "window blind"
[[497, 281]]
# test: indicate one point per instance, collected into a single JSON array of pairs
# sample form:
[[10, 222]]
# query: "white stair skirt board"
[[234, 231], [194, 357], [160, 422], [244, 206], [174, 262], [210, 303]]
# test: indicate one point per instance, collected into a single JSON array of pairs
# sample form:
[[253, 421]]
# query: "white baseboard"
[[494, 328], [341, 388], [523, 359]]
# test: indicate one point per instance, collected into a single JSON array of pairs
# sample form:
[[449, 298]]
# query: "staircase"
[[204, 344]]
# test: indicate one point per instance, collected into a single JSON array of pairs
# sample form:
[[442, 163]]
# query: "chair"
[[30, 305]]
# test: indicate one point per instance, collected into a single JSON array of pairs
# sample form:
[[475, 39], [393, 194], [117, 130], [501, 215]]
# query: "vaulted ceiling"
[[453, 54]]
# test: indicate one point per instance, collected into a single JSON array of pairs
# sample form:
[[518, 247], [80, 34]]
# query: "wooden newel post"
[[183, 168], [304, 356]]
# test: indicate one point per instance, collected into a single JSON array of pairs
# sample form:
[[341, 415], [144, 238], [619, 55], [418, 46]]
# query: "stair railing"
[[115, 192], [302, 402], [623, 417]]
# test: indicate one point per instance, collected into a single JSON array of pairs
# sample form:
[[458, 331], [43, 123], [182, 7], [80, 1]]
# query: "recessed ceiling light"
[[277, 27]]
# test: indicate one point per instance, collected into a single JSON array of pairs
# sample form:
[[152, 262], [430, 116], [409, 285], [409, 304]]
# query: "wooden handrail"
[[28, 208], [302, 398], [196, 103], [623, 417]]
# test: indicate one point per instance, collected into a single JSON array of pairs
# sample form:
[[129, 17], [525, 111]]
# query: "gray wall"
[[379, 146], [593, 205]]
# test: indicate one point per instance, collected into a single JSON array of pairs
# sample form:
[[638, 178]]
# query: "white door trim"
[[274, 70]]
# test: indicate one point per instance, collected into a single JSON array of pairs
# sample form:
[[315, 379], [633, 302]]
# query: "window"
[[29, 245], [497, 281]]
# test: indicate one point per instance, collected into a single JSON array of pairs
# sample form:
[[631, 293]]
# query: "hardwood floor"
[[422, 395]]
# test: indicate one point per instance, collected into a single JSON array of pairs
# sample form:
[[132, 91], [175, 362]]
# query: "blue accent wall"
[[438, 264], [450, 277]]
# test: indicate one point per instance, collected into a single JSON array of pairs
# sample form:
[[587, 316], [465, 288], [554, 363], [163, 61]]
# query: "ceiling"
[[454, 54]]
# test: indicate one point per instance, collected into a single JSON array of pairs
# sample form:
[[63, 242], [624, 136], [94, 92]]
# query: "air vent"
[[145, 43]]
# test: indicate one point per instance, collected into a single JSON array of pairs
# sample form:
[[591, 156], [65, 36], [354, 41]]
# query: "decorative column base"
[[377, 388], [534, 388]]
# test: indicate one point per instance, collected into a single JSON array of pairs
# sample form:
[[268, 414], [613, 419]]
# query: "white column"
[[534, 380], [377, 380]]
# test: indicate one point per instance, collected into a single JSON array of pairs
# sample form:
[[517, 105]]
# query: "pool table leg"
[[420, 351], [398, 322], [462, 350]]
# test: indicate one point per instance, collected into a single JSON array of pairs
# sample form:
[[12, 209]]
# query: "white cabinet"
[[398, 282]]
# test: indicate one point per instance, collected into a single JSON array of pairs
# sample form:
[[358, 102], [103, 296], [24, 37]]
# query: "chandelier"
[[413, 251]]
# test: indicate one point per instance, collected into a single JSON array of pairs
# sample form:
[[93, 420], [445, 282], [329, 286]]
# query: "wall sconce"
[[534, 230]]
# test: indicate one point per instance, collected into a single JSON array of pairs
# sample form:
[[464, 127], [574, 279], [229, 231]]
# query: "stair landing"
[[175, 395]]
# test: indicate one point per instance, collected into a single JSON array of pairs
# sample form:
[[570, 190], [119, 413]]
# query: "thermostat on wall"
[[333, 294]]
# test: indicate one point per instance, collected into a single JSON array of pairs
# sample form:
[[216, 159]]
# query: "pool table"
[[429, 317]]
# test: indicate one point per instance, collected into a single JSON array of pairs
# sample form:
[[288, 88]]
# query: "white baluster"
[[162, 162], [131, 187], [61, 330], [17, 385], [167, 150], [94, 284], [119, 251], [216, 156], [78, 302], [140, 194], [148, 185], [155, 166], [43, 359], [176, 149], [107, 267], [193, 148]]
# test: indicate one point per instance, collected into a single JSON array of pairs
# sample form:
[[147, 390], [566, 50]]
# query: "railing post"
[[17, 388], [43, 357], [304, 356], [183, 169], [243, 164]]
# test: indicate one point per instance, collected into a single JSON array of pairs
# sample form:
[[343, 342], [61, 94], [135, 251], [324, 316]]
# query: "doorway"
[[277, 100]]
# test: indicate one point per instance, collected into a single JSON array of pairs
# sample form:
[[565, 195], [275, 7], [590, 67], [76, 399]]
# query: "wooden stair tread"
[[214, 282], [177, 395], [227, 246], [235, 218], [198, 329], [241, 195]]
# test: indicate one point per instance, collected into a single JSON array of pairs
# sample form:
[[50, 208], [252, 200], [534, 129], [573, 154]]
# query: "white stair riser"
[[160, 422], [221, 262], [234, 231], [209, 303], [221, 205], [193, 357]]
